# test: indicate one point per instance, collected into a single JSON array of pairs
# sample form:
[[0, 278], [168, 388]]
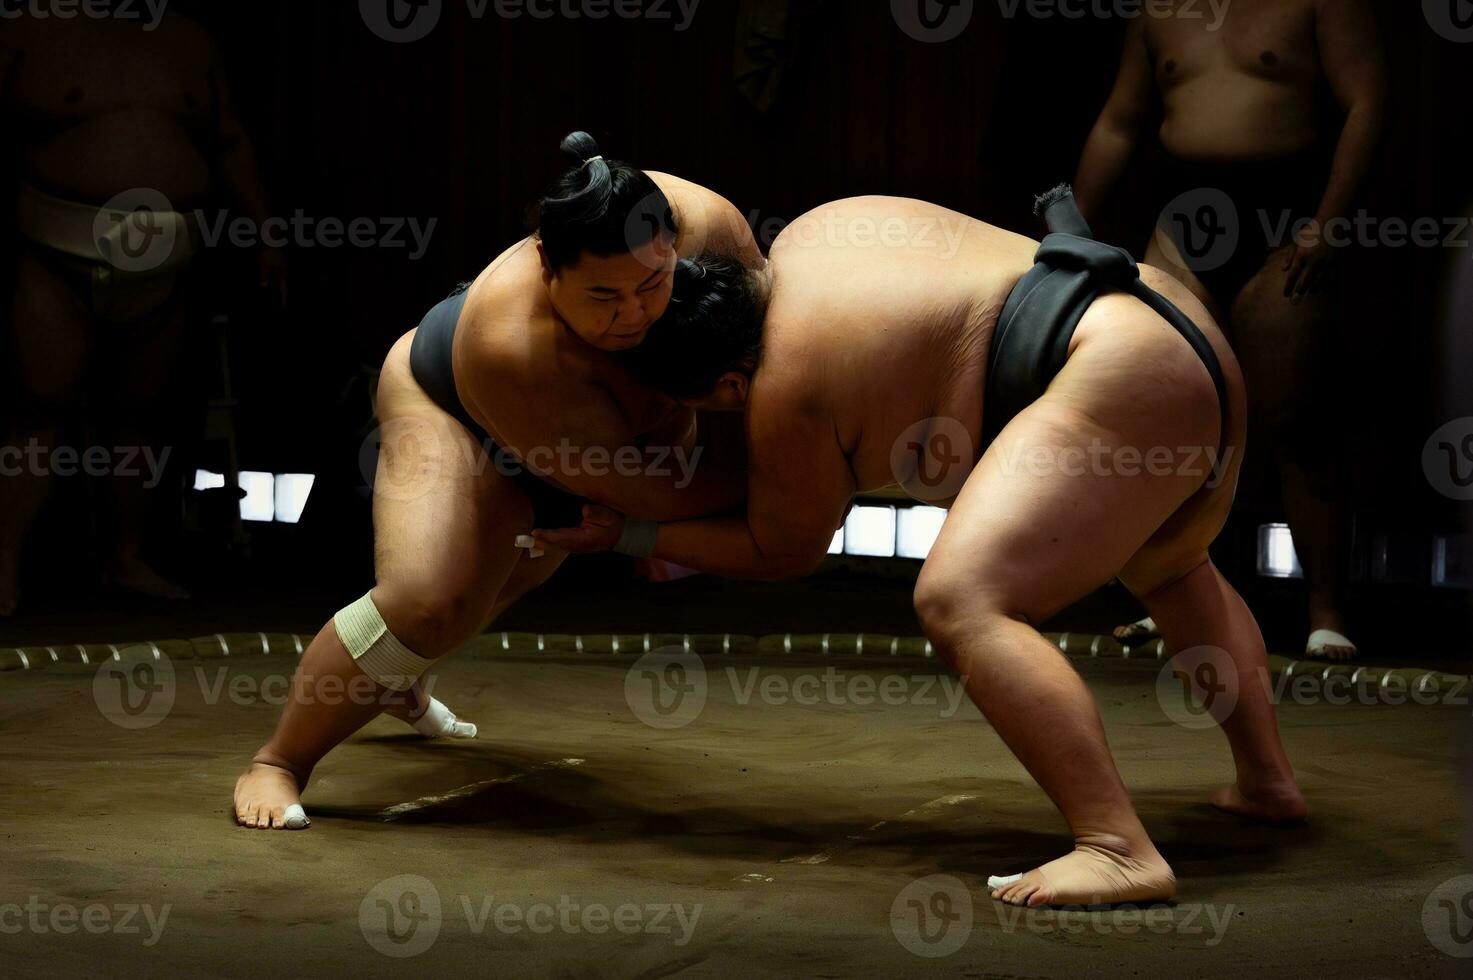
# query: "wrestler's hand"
[[600, 531], [1306, 266]]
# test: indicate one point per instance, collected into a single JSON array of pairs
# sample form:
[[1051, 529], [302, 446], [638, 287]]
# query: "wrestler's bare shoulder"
[[709, 223]]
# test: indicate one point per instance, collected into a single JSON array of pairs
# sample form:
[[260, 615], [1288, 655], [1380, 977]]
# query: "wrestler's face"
[[729, 395], [612, 301]]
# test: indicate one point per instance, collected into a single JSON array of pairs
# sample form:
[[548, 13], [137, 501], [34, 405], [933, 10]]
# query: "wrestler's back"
[[105, 106], [884, 308], [1246, 90]]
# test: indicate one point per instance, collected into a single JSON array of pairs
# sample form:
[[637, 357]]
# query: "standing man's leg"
[[50, 335], [1284, 348]]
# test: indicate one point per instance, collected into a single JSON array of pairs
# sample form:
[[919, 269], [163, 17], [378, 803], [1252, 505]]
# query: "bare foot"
[[135, 576], [269, 797], [1091, 875], [1278, 802]]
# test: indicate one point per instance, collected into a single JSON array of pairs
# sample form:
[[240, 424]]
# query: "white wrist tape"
[[376, 651], [638, 539]]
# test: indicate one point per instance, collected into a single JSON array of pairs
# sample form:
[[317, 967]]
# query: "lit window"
[[292, 491], [870, 531], [260, 496], [1276, 556], [917, 529]]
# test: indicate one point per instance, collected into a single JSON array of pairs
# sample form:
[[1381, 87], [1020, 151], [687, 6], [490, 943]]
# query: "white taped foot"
[[295, 818], [1329, 645], [1141, 629], [1002, 881], [439, 721]]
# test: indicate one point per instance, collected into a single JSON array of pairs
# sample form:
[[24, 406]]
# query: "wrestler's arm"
[[236, 164], [1113, 140], [1354, 64], [710, 224], [655, 484], [799, 488]]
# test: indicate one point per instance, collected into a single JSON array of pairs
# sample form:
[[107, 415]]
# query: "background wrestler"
[[531, 366], [94, 107], [862, 343], [1244, 106]]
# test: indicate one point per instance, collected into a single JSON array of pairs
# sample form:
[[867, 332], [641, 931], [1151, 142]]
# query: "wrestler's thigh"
[[445, 521], [51, 334], [1045, 517]]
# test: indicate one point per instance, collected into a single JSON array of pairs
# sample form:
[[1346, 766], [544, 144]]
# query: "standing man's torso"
[[1247, 88], [102, 106]]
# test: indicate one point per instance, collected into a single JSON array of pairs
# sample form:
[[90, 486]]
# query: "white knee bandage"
[[376, 651]]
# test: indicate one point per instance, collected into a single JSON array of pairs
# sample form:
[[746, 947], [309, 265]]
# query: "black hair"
[[601, 206], [712, 326]]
